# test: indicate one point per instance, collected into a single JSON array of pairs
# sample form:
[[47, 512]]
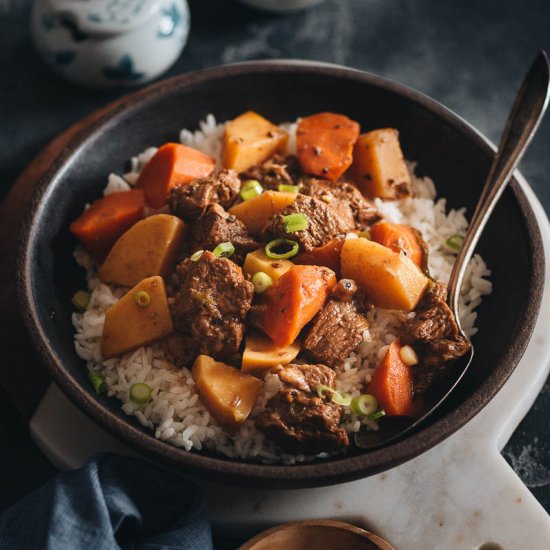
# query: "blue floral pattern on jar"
[[123, 71], [110, 42], [170, 21], [117, 11]]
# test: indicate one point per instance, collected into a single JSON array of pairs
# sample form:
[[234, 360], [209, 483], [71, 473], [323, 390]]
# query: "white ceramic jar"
[[105, 43]]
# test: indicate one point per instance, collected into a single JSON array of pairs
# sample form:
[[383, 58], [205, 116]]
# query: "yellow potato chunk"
[[129, 325], [390, 280], [250, 139], [255, 212], [262, 354], [259, 261], [227, 393], [378, 165], [150, 247]]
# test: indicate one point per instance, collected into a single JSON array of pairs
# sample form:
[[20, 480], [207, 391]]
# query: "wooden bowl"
[[447, 149], [318, 534]]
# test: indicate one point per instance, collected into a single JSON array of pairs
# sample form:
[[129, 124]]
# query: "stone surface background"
[[469, 55]]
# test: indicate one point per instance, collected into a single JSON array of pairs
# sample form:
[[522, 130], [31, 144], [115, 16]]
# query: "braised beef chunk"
[[209, 308], [435, 293], [425, 250], [433, 319], [190, 201], [278, 170], [440, 352], [182, 348], [323, 223], [344, 290], [434, 334], [344, 198], [298, 419], [335, 332], [217, 226]]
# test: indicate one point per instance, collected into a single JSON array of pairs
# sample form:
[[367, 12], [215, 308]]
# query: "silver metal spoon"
[[524, 118]]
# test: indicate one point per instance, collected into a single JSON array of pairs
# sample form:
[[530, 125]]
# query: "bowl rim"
[[318, 473], [329, 524]]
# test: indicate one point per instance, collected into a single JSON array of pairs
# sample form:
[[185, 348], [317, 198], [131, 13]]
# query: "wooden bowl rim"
[[336, 524]]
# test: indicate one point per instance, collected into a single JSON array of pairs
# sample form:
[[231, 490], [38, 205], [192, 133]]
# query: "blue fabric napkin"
[[112, 502]]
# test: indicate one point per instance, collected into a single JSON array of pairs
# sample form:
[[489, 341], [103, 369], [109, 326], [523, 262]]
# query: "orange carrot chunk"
[[172, 165], [327, 255], [392, 384], [325, 144], [400, 238], [99, 227], [293, 301]]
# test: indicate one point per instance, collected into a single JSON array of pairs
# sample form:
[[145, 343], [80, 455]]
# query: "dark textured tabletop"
[[470, 55]]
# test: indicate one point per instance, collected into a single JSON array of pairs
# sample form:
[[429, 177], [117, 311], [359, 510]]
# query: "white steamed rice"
[[175, 411]]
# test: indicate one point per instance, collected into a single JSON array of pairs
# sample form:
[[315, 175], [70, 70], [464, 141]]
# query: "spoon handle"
[[525, 116]]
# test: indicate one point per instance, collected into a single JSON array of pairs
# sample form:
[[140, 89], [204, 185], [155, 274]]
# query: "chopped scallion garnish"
[[224, 250], [365, 234], [291, 247], [142, 298], [140, 393], [322, 389], [455, 242], [377, 414], [284, 188], [98, 381], [364, 404], [340, 398], [261, 281], [295, 222], [196, 256], [81, 300], [251, 189]]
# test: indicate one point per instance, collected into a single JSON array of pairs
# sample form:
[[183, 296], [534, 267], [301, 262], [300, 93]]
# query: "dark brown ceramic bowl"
[[454, 154]]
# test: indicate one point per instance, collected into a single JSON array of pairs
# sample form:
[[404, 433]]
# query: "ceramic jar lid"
[[106, 16]]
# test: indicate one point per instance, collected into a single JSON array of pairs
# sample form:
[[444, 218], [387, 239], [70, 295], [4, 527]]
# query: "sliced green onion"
[[261, 281], [455, 242], [251, 189], [272, 245], [377, 414], [140, 393], [142, 298], [196, 256], [98, 381], [295, 222], [340, 398], [284, 188], [224, 250], [364, 404], [81, 300], [322, 389], [365, 234]]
